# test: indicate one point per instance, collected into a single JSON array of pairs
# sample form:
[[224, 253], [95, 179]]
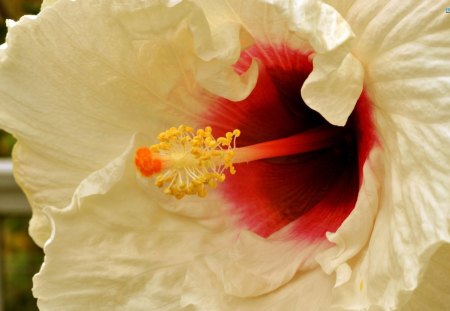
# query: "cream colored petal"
[[408, 71], [413, 220], [402, 44], [78, 80], [47, 3], [217, 80], [114, 248], [139, 249], [202, 291], [336, 82], [303, 24], [355, 232], [264, 21], [433, 292], [404, 52], [333, 88], [253, 267], [212, 68]]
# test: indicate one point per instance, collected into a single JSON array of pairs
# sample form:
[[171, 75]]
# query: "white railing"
[[12, 199]]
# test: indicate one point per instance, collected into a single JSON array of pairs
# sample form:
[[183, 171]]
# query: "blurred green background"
[[20, 258]]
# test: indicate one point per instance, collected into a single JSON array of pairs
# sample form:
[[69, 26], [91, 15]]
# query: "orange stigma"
[[146, 162]]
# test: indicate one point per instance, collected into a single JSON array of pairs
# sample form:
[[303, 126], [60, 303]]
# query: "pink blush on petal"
[[314, 190]]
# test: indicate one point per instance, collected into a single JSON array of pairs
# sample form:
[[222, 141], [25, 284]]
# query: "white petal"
[[404, 50], [124, 247], [413, 219], [408, 72], [264, 21], [335, 84], [253, 267], [47, 3], [433, 292], [354, 233], [141, 249], [309, 290], [351, 240], [92, 74]]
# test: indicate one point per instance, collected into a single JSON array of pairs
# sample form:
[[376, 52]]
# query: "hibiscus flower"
[[334, 116]]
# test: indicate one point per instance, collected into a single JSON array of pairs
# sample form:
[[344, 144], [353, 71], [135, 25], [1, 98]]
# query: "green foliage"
[[6, 144], [21, 260], [31, 6], [2, 32]]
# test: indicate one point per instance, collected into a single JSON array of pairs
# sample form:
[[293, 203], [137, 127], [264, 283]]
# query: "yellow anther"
[[232, 170], [222, 140], [209, 140], [192, 160]]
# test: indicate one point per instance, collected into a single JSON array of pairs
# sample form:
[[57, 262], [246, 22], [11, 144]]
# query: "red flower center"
[[317, 189]]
